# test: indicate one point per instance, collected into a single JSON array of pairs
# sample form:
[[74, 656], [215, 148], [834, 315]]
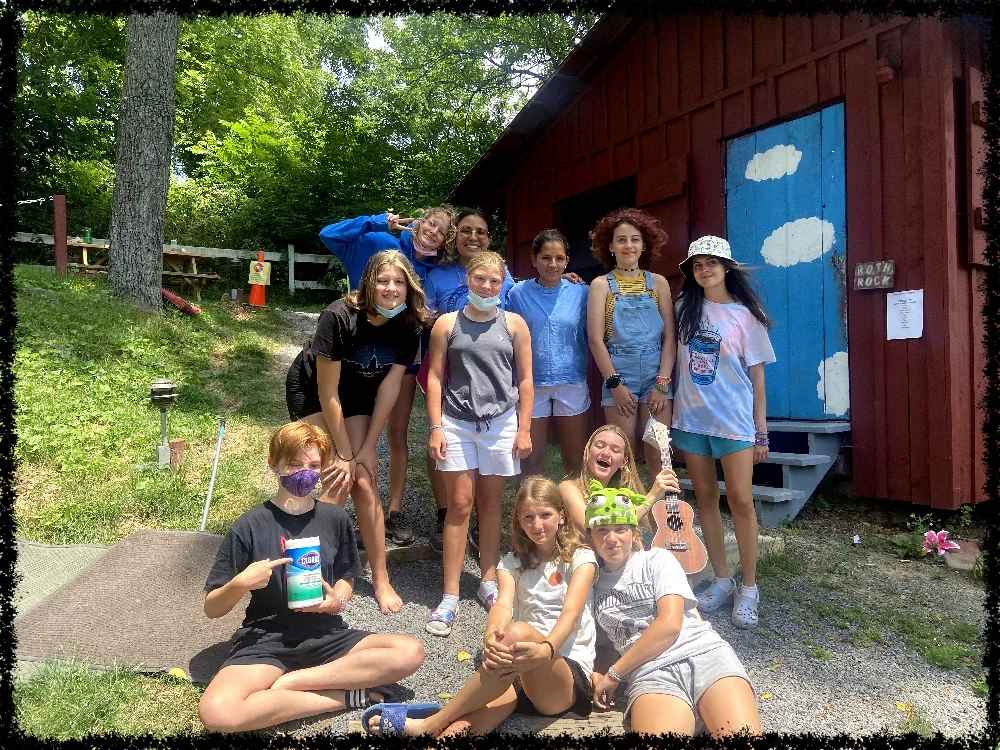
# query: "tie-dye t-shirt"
[[713, 394]]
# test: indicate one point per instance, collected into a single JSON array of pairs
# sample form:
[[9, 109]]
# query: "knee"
[[741, 504], [410, 653], [459, 508], [362, 493], [218, 713], [519, 631]]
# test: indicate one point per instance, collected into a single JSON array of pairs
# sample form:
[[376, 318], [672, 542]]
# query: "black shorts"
[[302, 394], [292, 652], [583, 694]]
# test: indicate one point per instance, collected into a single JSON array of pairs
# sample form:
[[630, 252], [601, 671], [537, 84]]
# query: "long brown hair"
[[362, 299], [543, 491]]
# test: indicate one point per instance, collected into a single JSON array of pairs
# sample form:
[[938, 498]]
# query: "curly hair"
[[654, 236], [539, 489]]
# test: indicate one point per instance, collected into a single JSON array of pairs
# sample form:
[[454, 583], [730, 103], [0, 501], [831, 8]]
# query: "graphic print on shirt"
[[624, 613], [704, 348], [372, 360]]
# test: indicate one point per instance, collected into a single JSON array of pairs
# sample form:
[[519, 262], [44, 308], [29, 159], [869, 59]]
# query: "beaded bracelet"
[[614, 675], [661, 387], [761, 438]]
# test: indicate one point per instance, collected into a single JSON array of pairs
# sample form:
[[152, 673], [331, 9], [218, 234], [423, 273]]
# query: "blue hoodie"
[[356, 240]]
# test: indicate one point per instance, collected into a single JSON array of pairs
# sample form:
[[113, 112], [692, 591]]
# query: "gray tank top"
[[479, 385]]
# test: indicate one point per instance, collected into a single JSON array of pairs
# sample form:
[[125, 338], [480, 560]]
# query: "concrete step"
[[760, 492], [797, 459], [795, 425]]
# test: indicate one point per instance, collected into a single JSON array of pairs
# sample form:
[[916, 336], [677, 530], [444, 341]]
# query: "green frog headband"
[[612, 506]]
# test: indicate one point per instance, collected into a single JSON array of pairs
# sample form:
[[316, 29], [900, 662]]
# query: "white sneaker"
[[745, 610], [718, 593]]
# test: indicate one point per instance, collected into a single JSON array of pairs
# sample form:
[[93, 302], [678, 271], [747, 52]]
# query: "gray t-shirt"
[[539, 596], [625, 605]]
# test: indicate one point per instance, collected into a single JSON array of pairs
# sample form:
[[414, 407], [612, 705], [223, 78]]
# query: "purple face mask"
[[301, 482]]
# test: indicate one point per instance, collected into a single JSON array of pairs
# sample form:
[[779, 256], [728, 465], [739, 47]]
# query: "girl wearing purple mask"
[[290, 663], [347, 379]]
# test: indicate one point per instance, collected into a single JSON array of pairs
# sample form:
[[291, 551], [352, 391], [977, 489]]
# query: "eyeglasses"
[[473, 231]]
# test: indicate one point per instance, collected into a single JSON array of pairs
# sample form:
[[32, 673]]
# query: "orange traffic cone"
[[258, 291]]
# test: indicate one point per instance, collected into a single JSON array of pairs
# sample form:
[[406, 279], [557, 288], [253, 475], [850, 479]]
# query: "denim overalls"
[[636, 339]]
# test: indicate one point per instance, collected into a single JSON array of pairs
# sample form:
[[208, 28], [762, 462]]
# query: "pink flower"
[[938, 541]]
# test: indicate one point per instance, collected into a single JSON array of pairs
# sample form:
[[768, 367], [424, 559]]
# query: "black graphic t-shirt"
[[365, 352], [261, 534]]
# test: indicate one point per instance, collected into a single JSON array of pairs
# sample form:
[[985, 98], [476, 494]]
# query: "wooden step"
[[797, 459], [794, 425], [761, 492]]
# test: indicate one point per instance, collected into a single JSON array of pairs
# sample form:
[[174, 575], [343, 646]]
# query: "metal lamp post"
[[163, 394]]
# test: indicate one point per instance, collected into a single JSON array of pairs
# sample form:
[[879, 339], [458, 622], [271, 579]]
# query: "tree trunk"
[[142, 160]]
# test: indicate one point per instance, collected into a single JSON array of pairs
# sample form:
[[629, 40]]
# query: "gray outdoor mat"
[[140, 604], [44, 568]]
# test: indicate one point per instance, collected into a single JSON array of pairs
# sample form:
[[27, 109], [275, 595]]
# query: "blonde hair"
[[628, 474], [289, 439], [538, 489], [486, 259], [362, 299], [449, 213]]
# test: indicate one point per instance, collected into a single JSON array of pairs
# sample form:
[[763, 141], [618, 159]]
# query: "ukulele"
[[674, 517]]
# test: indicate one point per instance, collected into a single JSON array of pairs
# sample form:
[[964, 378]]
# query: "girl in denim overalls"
[[630, 324]]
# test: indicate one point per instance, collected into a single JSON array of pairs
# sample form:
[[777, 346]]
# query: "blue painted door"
[[785, 216]]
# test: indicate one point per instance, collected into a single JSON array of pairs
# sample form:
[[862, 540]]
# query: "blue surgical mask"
[[390, 312], [483, 304], [300, 483]]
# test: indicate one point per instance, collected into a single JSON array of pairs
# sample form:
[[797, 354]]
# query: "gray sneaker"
[[718, 593], [745, 610]]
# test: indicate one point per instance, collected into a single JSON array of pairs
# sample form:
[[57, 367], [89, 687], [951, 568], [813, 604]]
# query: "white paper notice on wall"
[[904, 315]]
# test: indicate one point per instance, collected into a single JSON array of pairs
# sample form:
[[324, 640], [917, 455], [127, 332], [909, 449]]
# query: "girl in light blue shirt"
[[556, 313]]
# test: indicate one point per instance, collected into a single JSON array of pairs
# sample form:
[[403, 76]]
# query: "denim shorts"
[[638, 369], [706, 445]]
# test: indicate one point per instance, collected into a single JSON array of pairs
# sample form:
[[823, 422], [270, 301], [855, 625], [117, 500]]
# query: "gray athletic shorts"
[[689, 678]]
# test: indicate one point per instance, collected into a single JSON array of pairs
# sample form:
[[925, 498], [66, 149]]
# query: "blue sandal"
[[441, 621], [393, 716]]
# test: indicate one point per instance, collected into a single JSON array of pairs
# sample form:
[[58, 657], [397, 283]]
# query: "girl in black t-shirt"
[[347, 379]]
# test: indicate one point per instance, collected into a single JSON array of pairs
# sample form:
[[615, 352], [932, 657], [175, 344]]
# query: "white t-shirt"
[[713, 394], [625, 605], [539, 596]]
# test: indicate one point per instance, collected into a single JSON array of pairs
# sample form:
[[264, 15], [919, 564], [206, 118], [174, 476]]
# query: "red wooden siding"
[[660, 111]]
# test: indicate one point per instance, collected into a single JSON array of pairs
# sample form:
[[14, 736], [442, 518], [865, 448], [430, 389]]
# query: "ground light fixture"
[[163, 395]]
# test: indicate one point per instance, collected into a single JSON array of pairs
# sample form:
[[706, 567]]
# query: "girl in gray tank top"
[[479, 399], [479, 384]]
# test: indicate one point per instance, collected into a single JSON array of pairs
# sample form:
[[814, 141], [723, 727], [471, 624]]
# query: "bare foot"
[[387, 598]]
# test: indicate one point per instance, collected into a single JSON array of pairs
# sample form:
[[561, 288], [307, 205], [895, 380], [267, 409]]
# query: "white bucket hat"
[[709, 245]]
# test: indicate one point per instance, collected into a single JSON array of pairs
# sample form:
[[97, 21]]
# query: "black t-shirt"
[[260, 534], [365, 352]]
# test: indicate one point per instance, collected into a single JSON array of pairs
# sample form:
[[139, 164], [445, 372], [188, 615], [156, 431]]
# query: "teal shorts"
[[707, 445]]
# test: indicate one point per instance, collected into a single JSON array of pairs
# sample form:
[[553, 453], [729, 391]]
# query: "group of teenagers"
[[503, 365]]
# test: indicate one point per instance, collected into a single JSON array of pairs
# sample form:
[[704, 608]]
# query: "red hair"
[[289, 439], [654, 236]]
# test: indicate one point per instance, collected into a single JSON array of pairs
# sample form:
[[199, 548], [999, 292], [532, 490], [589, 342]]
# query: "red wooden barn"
[[814, 144]]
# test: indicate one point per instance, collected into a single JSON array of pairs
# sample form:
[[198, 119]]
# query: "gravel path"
[[841, 688]]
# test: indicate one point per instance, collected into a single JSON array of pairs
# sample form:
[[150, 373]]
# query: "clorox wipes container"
[[304, 574]]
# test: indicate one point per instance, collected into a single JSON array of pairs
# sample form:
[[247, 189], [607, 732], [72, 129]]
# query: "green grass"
[[820, 653], [980, 687], [66, 700], [916, 723], [83, 365]]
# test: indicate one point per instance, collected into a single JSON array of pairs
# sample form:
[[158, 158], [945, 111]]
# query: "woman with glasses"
[[422, 241], [447, 291]]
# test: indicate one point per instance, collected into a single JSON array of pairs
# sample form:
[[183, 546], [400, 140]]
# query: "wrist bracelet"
[[553, 649], [614, 675], [661, 387], [662, 379], [762, 441], [435, 427]]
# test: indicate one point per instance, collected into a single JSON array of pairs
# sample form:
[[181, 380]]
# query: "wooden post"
[[59, 232], [291, 268]]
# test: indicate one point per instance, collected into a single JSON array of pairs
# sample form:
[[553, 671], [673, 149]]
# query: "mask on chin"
[[483, 304], [390, 312]]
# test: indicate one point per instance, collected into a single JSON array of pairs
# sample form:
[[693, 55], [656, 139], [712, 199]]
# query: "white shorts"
[[489, 450], [565, 400]]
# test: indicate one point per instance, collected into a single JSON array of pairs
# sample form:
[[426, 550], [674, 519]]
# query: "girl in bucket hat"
[[720, 410], [675, 667]]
